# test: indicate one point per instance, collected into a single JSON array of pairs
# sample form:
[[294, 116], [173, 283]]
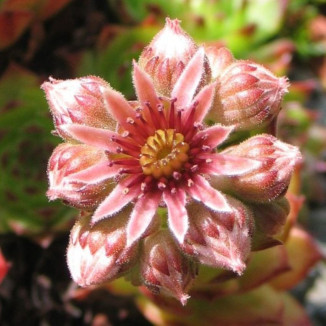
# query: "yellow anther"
[[164, 153]]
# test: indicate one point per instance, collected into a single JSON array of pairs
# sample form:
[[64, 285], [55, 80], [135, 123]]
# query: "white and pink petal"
[[141, 216], [188, 82], [120, 196], [177, 213], [201, 190]]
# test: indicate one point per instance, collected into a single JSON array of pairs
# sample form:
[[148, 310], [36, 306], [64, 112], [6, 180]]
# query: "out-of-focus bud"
[[219, 58], [99, 253], [217, 239], [270, 219], [167, 55], [164, 269], [69, 160], [248, 96], [4, 267], [272, 178], [78, 101]]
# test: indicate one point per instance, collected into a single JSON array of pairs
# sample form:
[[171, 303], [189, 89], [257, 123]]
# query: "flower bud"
[[272, 178], [219, 59], [78, 101], [70, 160], [270, 219], [167, 55], [247, 96], [99, 253], [4, 267], [218, 239], [163, 267]]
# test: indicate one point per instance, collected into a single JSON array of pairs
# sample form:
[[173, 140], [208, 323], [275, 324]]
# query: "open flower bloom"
[[158, 154]]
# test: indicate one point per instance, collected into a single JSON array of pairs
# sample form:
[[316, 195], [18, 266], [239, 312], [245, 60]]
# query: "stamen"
[[178, 122], [160, 109], [194, 168], [128, 146], [126, 161], [176, 175], [205, 148], [153, 114], [161, 185], [190, 183], [172, 113], [130, 171], [188, 127]]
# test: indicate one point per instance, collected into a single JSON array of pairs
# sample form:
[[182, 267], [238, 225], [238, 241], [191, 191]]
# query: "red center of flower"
[[164, 153]]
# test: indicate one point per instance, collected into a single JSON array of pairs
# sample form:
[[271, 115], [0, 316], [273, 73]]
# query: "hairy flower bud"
[[220, 239], [78, 101], [272, 178], [164, 268], [247, 96], [66, 166], [98, 253], [219, 59], [167, 55]]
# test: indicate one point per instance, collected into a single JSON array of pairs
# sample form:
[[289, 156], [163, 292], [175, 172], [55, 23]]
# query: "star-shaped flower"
[[128, 162]]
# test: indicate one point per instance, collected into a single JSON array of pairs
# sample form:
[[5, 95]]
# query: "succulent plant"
[[155, 182]]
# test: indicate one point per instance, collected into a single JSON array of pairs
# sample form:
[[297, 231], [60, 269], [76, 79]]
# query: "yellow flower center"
[[164, 153]]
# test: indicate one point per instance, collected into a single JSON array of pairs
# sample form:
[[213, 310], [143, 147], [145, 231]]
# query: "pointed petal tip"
[[173, 24], [238, 267], [179, 234], [130, 241], [183, 298], [284, 85], [52, 194]]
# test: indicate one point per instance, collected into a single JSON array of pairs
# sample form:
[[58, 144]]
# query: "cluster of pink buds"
[[166, 183]]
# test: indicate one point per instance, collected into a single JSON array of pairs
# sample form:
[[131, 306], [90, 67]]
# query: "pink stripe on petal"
[[201, 190], [214, 135], [100, 138], [220, 164], [119, 197], [178, 216], [144, 88], [118, 106], [142, 216], [187, 84], [204, 98], [95, 173]]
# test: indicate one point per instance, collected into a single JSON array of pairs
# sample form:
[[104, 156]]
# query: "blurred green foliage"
[[26, 143]]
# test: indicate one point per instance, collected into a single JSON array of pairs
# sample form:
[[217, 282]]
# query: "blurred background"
[[72, 38]]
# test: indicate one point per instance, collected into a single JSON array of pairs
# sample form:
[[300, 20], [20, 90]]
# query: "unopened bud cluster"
[[163, 184]]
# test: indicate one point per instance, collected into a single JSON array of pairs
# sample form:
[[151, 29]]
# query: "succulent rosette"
[[164, 190]]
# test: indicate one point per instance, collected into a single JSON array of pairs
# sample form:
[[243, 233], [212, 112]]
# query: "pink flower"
[[161, 162]]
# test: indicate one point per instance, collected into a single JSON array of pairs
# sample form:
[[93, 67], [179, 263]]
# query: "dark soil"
[[38, 290]]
